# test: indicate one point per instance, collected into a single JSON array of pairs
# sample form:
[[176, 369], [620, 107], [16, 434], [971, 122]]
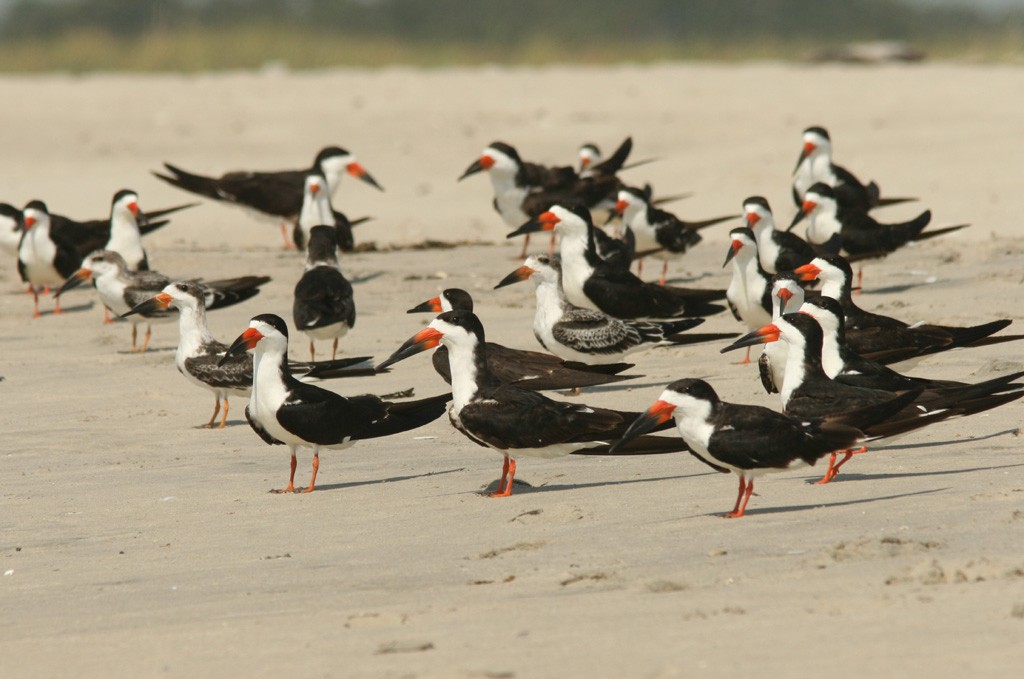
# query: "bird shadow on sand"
[[366, 278], [821, 505], [845, 476], [149, 350], [521, 487], [74, 309], [391, 479]]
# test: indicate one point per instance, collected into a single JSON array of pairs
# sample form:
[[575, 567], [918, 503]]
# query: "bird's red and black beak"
[[805, 209], [247, 341], [73, 281], [357, 171], [752, 218], [784, 296], [807, 272], [520, 274], [655, 416], [158, 303], [545, 221], [432, 305], [133, 207], [314, 188], [734, 247], [479, 165], [620, 207], [425, 339], [769, 333], [807, 150], [29, 222]]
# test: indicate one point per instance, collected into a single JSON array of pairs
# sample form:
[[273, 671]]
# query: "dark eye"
[[182, 287]]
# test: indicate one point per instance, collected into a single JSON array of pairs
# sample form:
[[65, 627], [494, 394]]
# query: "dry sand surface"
[[136, 544]]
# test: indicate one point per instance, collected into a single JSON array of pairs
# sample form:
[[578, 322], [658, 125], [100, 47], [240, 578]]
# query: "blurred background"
[[197, 35]]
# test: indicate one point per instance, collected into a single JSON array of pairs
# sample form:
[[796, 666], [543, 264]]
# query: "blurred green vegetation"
[[193, 35]]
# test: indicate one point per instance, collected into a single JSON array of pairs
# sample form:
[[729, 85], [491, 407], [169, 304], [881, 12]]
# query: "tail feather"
[[615, 161], [641, 445], [194, 183], [932, 233], [231, 291], [407, 415], [705, 223]]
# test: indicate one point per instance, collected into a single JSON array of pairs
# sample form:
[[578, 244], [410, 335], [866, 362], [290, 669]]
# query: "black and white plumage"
[[886, 339], [777, 250], [815, 165], [274, 196], [749, 291], [748, 440], [511, 420], [45, 257], [125, 236], [592, 283], [323, 307], [284, 411], [786, 295], [317, 210], [588, 336], [121, 290], [531, 370], [657, 230]]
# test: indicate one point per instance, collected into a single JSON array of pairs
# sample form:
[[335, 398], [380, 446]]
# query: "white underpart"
[[747, 287], [817, 167], [37, 253], [507, 196], [461, 345], [193, 333], [831, 279], [10, 236], [831, 362], [316, 210], [125, 238], [692, 417], [794, 376], [767, 249], [821, 222], [575, 269]]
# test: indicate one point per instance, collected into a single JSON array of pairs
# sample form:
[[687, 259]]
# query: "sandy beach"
[[136, 543]]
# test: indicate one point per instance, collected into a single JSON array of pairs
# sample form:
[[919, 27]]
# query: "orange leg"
[[639, 268], [334, 352], [216, 409], [508, 474], [135, 336], [860, 279], [526, 244], [224, 418], [312, 354], [291, 477], [35, 304], [106, 316], [551, 247], [664, 271], [56, 303], [288, 244], [316, 466], [746, 359], [145, 340], [833, 468], [746, 490], [830, 472]]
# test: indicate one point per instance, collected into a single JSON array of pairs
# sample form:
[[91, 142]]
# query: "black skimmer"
[[121, 290], [815, 165], [592, 283], [125, 235], [324, 307], [317, 210], [886, 339], [588, 336], [749, 292], [748, 440], [512, 420], [10, 229], [857, 234], [527, 369], [524, 190], [284, 411], [45, 257], [276, 196], [777, 250], [787, 294], [807, 391], [657, 230]]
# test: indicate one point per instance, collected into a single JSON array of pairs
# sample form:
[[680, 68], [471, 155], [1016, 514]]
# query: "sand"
[[135, 543]]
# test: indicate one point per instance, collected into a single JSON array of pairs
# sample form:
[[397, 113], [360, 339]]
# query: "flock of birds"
[[827, 358]]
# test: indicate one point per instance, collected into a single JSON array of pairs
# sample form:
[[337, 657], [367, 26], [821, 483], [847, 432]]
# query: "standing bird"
[[45, 257], [511, 420], [317, 210], [749, 291], [531, 370], [658, 230], [324, 307], [285, 411], [593, 283], [749, 441], [274, 196], [125, 236], [815, 165], [777, 250]]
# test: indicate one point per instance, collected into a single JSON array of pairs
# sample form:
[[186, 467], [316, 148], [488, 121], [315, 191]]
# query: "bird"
[[777, 250], [513, 421], [807, 391], [786, 293], [284, 411], [10, 229], [592, 283], [886, 339], [317, 210], [120, 290], [658, 230], [748, 440], [523, 190], [857, 234], [749, 291], [45, 257], [274, 196], [125, 236], [527, 369], [815, 165], [323, 306], [588, 336]]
